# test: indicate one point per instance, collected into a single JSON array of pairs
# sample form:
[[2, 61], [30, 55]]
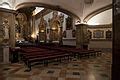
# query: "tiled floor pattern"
[[98, 68]]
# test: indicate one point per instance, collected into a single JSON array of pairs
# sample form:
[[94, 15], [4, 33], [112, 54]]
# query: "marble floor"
[[94, 68]]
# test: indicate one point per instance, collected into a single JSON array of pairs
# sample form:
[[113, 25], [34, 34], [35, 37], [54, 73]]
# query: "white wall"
[[100, 44]]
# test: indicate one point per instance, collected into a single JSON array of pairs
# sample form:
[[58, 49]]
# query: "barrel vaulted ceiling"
[[78, 8]]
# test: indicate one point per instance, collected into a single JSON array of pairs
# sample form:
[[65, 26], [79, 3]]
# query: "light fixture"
[[33, 35], [41, 30], [53, 28]]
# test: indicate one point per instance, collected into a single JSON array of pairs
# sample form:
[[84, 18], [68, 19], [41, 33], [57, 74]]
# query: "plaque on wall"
[[69, 23], [98, 34]]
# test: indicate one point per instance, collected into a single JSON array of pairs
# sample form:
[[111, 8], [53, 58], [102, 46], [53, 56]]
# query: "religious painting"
[[69, 23], [108, 34], [64, 34], [73, 33], [98, 34]]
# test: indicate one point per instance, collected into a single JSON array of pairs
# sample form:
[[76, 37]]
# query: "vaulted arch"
[[89, 16]]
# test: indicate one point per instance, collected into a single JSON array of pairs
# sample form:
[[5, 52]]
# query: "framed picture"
[[98, 34]]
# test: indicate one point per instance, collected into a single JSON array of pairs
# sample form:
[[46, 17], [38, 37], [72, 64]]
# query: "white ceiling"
[[77, 7], [102, 18]]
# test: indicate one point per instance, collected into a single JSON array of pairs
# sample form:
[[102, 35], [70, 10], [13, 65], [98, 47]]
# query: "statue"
[[5, 32], [6, 29]]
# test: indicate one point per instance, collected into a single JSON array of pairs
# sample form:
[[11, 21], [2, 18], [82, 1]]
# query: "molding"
[[53, 7], [81, 25], [89, 16], [101, 40], [8, 10], [67, 39], [99, 26]]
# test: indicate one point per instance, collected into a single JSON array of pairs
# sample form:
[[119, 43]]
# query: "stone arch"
[[53, 7]]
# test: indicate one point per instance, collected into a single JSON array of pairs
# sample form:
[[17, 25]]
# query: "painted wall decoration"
[[98, 34], [108, 34], [69, 23], [73, 33]]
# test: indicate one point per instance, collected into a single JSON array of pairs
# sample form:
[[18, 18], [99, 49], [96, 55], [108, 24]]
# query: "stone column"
[[12, 30], [116, 41], [81, 36], [33, 27]]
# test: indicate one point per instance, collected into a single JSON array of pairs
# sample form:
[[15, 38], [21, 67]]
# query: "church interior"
[[55, 40]]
